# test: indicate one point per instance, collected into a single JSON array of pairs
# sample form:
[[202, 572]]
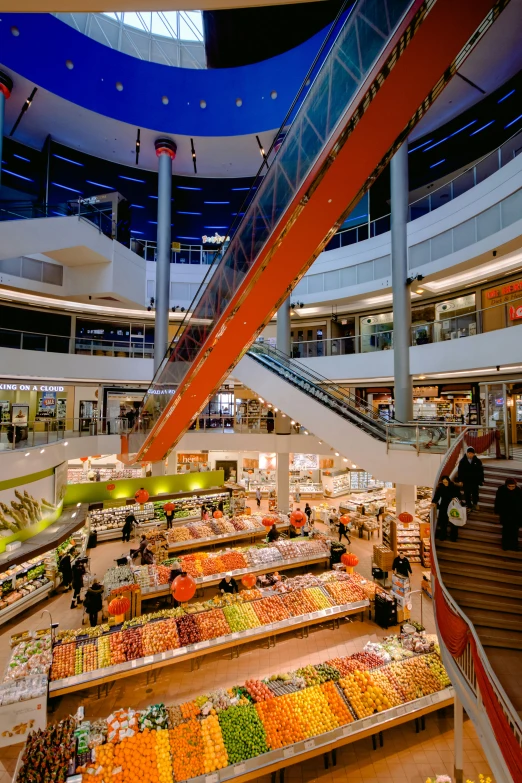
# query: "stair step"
[[478, 546], [480, 586], [489, 618], [495, 637], [495, 574], [496, 560], [466, 599]]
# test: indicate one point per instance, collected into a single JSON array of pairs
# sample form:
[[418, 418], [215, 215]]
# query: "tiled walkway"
[[406, 757]]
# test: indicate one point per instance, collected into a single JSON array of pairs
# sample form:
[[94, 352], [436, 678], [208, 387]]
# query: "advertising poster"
[[60, 482], [27, 509], [19, 415]]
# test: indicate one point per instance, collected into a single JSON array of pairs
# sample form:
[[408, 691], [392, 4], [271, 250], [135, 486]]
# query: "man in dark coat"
[[78, 570], [93, 602], [126, 531], [508, 505], [471, 475], [64, 567]]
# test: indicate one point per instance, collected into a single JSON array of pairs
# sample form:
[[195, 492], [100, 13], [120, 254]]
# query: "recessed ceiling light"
[[27, 453], [419, 291], [78, 505], [203, 104], [119, 86], [336, 453], [69, 64], [306, 432], [292, 422], [66, 443], [165, 100], [42, 451], [344, 459], [239, 102]]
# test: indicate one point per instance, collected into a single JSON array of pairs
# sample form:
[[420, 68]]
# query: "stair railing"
[[465, 662]]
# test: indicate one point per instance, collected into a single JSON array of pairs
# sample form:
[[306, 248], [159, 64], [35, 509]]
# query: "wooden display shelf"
[[223, 538], [151, 663], [262, 568]]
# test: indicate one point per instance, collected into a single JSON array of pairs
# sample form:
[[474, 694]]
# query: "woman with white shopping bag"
[[450, 511]]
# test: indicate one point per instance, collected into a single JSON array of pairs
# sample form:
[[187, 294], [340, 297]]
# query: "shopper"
[[446, 491], [343, 531], [270, 421], [228, 585], [258, 497], [293, 532], [221, 507], [78, 570], [508, 505], [143, 551], [94, 602], [401, 565], [308, 511], [169, 516], [273, 534], [204, 514], [128, 525], [174, 572], [64, 567], [471, 475], [297, 495]]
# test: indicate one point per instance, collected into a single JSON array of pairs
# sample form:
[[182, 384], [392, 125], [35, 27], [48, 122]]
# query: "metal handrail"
[[369, 224], [135, 346], [465, 663], [44, 431]]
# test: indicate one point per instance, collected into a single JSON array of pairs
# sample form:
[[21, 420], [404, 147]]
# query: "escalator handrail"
[[376, 428], [324, 384]]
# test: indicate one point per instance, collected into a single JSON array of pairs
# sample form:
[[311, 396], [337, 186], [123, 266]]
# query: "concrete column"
[[283, 481], [458, 736], [166, 152], [283, 328], [405, 496], [6, 85], [401, 292]]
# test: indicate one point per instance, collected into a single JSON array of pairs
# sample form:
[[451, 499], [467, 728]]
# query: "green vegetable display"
[[243, 733]]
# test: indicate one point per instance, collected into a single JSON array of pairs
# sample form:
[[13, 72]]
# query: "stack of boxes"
[[401, 591]]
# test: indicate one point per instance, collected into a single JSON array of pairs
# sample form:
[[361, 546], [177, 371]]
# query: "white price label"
[[148, 659], [163, 656], [134, 664], [204, 644], [287, 752], [239, 769], [346, 730], [211, 778], [235, 636], [309, 745], [329, 611]]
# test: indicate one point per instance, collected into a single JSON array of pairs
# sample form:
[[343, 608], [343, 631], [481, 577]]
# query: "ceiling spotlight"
[[27, 453], [42, 451], [66, 443], [292, 423], [138, 145], [193, 153], [260, 399], [320, 442], [344, 459], [276, 410], [354, 466], [336, 453], [306, 432]]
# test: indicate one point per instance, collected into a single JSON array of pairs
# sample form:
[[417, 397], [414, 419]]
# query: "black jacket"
[[273, 534], [65, 569], [471, 472], [508, 503], [402, 566], [229, 587], [77, 576], [130, 520], [94, 598], [444, 495]]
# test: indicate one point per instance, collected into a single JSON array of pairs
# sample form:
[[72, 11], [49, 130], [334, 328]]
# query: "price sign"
[[163, 656], [235, 636], [148, 659], [134, 664], [347, 730], [239, 769], [204, 644], [211, 778], [329, 611], [287, 752], [309, 745]]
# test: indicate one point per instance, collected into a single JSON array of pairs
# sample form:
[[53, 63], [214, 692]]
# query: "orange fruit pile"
[[214, 751], [186, 744], [336, 703], [280, 722]]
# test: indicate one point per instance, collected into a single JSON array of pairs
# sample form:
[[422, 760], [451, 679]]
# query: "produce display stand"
[[243, 535], [24, 603], [151, 663], [261, 568]]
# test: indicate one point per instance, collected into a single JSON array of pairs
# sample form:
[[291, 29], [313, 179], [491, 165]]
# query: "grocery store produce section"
[[88, 657], [196, 534], [261, 725]]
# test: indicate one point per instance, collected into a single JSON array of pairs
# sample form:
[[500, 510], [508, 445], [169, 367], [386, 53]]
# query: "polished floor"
[[406, 756]]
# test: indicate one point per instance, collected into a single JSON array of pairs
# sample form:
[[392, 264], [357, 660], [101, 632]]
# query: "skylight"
[[180, 25]]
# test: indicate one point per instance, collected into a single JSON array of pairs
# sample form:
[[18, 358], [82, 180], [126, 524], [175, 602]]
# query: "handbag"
[[457, 514]]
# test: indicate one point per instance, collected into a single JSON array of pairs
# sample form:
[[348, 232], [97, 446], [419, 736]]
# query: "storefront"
[[502, 305], [45, 404], [110, 338]]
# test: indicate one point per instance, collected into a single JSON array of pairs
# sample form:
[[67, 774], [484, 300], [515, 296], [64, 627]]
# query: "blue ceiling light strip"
[[451, 135], [482, 128], [133, 231], [249, 188], [216, 202], [420, 146], [198, 239], [186, 187], [99, 184], [61, 214], [438, 163], [154, 197], [12, 173], [188, 213], [64, 187], [137, 206], [21, 157], [215, 227], [131, 179], [506, 96], [67, 160], [513, 121]]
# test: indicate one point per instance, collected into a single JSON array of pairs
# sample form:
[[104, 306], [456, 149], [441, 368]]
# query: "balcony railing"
[[186, 254], [460, 184], [45, 431], [447, 328], [238, 423], [87, 346]]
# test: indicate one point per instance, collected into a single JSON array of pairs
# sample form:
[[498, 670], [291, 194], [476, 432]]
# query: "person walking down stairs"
[[471, 475], [508, 505]]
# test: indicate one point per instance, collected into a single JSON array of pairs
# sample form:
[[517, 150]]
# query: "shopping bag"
[[457, 514]]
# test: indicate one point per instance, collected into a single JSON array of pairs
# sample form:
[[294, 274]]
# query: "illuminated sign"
[[28, 387], [515, 313], [215, 240], [503, 293]]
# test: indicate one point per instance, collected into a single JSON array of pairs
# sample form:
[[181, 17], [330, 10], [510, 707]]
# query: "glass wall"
[[109, 338]]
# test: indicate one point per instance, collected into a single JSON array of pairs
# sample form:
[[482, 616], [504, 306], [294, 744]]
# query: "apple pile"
[[104, 652], [64, 657], [297, 603], [241, 617], [117, 648], [212, 624], [345, 592], [258, 690], [188, 630], [132, 643], [319, 598], [438, 670], [270, 610], [415, 677], [90, 657]]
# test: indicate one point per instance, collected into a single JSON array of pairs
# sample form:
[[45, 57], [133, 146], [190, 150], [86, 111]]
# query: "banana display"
[[23, 512]]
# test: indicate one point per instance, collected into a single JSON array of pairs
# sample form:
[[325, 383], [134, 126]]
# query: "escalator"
[[343, 421], [385, 66]]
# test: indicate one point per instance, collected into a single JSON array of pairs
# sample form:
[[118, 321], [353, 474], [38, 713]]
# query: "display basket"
[[383, 557]]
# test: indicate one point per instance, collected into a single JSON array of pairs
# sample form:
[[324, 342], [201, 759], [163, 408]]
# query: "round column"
[[283, 343], [6, 87], [166, 152]]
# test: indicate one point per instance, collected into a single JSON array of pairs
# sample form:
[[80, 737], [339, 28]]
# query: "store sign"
[[28, 387], [425, 391], [515, 313], [503, 293], [215, 240]]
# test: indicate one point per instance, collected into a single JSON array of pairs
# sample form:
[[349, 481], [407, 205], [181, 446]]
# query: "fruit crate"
[[383, 557]]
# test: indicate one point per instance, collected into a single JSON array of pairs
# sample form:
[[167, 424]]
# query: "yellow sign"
[[503, 293]]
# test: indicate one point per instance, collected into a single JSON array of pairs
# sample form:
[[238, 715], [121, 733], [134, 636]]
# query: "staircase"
[[485, 581]]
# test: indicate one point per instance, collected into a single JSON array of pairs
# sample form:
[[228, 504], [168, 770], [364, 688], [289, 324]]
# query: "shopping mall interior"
[[260, 391]]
